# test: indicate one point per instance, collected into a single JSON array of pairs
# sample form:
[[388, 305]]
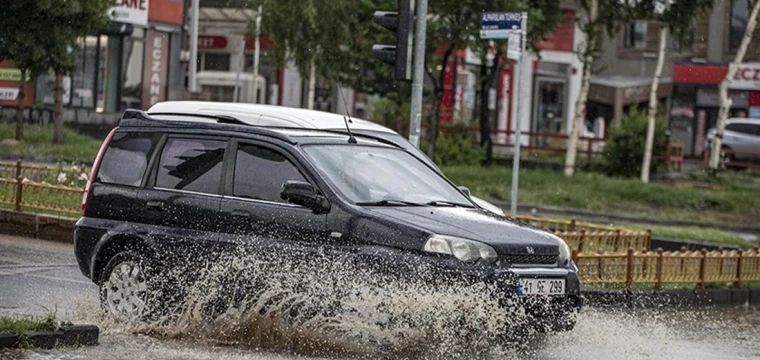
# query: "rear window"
[[127, 157]]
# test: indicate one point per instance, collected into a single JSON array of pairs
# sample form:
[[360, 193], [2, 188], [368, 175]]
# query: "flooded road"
[[35, 275]]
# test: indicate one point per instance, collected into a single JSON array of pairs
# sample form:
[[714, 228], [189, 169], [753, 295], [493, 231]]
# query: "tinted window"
[[126, 158], [754, 129], [191, 164], [740, 128], [260, 173]]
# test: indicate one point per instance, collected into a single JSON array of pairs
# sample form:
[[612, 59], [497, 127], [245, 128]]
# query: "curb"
[[76, 335], [37, 226], [652, 299]]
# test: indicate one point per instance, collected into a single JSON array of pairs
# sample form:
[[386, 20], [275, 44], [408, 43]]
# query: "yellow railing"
[[659, 267], [25, 194], [41, 173], [588, 237]]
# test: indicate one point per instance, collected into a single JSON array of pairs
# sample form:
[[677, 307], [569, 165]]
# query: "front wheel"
[[129, 287]]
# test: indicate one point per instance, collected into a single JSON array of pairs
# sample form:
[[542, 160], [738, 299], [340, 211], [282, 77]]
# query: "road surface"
[[38, 276]]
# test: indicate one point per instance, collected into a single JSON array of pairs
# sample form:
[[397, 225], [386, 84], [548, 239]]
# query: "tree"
[[41, 35], [19, 32], [676, 17], [68, 21], [456, 25], [312, 33], [725, 101], [601, 16]]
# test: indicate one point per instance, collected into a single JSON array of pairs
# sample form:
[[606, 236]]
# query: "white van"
[[281, 116]]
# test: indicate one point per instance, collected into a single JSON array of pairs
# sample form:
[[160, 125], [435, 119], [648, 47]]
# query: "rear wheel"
[[129, 287]]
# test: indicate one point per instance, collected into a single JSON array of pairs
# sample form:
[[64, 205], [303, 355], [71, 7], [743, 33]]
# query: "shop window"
[[84, 77], [216, 62], [132, 76], [739, 14], [635, 35]]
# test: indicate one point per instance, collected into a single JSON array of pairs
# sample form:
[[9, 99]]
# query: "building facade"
[[688, 90], [133, 62]]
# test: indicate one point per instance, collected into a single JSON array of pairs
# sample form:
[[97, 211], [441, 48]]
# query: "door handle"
[[155, 205], [241, 213]]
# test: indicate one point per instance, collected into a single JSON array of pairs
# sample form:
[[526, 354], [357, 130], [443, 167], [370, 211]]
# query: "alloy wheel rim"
[[127, 291]]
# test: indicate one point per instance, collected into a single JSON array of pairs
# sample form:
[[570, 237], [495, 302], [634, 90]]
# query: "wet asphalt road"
[[37, 275]]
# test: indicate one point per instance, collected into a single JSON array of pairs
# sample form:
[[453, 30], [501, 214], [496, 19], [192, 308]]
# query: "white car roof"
[[742, 121], [268, 115]]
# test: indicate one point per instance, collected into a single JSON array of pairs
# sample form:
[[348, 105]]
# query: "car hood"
[[504, 235]]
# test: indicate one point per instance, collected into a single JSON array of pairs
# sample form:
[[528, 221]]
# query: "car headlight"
[[463, 249], [564, 251]]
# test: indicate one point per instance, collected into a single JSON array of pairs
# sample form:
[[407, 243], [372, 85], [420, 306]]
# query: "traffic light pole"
[[418, 73]]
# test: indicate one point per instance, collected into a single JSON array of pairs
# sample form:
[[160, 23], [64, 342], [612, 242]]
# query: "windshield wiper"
[[451, 203], [389, 203]]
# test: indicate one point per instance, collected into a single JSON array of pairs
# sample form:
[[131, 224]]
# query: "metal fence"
[[588, 237], [677, 267], [25, 194]]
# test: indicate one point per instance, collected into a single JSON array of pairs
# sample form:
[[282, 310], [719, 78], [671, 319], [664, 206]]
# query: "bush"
[[625, 147], [457, 146]]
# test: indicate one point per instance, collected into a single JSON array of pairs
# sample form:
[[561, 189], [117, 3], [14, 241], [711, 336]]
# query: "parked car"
[[280, 116], [741, 135], [196, 183]]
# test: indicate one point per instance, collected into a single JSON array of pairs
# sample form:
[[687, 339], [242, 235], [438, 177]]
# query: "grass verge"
[[731, 198], [694, 233], [22, 324], [37, 144]]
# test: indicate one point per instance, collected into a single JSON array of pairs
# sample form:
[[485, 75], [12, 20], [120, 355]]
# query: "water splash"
[[335, 306]]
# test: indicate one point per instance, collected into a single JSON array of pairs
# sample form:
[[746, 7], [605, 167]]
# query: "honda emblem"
[[530, 250]]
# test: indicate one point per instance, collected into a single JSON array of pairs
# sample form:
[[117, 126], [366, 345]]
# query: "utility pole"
[[241, 63], [193, 64], [256, 53], [418, 73], [518, 122]]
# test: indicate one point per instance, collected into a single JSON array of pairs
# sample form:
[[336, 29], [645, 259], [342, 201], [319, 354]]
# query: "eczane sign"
[[130, 11], [747, 77]]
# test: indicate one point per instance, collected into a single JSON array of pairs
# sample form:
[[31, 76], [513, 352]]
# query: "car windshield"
[[371, 175]]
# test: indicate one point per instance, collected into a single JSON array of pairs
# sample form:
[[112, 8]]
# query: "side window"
[[754, 129], [191, 164], [126, 158], [260, 173], [734, 127]]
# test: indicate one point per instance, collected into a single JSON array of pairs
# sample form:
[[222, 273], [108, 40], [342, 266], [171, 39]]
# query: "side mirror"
[[304, 194], [465, 190]]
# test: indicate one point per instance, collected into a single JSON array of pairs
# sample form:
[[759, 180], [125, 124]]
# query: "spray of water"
[[320, 305]]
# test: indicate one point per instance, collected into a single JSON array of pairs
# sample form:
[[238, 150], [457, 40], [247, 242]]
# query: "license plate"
[[541, 287]]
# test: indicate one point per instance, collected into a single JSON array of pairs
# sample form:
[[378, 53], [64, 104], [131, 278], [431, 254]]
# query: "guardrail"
[[44, 173], [678, 267], [589, 237], [24, 194]]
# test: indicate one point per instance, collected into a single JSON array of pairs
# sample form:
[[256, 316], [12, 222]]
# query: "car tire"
[[131, 288]]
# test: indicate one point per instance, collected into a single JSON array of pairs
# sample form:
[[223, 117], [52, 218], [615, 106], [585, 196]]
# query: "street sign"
[[514, 50], [499, 25]]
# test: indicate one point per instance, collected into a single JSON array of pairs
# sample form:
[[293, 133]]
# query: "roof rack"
[[140, 115], [224, 119]]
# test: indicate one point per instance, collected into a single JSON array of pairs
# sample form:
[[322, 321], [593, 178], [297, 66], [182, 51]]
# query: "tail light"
[[94, 169]]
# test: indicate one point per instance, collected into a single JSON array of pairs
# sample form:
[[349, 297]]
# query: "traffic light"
[[399, 56]]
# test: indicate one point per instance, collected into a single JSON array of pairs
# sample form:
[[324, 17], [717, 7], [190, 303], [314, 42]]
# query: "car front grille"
[[531, 259]]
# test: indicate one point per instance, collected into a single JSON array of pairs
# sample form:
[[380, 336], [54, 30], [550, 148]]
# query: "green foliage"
[[687, 200], [457, 147], [389, 113], [625, 147], [38, 145], [42, 34], [22, 324]]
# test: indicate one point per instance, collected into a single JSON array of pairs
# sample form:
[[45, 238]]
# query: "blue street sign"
[[498, 25]]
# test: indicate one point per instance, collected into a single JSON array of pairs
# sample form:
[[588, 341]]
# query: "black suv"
[[197, 182]]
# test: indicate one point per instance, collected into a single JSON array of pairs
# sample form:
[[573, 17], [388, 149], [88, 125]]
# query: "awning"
[[611, 89]]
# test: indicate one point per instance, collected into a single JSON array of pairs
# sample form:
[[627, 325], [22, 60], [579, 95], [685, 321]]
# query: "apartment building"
[[688, 89]]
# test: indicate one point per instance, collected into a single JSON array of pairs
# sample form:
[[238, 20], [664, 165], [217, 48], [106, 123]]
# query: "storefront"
[[696, 100], [132, 63], [611, 97]]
